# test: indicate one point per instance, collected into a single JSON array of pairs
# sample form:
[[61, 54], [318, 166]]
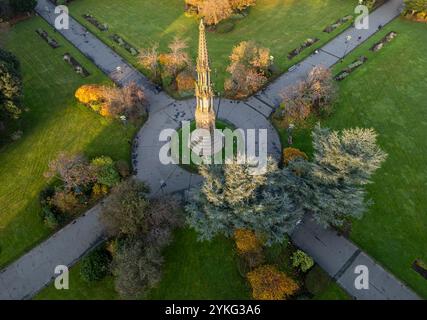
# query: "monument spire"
[[205, 113], [203, 58]]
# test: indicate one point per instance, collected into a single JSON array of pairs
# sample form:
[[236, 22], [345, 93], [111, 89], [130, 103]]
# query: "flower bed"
[[78, 68], [350, 68], [307, 43], [52, 42], [337, 24], [379, 45], [77, 184], [95, 22], [123, 43]]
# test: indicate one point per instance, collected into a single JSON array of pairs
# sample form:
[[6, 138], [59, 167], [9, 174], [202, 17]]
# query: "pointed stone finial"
[[203, 58]]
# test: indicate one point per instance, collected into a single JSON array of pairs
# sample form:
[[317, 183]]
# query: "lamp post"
[[347, 41]]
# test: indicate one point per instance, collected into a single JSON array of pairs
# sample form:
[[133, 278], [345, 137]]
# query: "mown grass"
[[389, 94], [280, 25], [192, 270], [54, 123]]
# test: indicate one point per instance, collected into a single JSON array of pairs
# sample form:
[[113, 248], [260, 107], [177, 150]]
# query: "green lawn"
[[80, 289], [280, 25], [389, 94], [54, 123], [193, 270], [333, 292]]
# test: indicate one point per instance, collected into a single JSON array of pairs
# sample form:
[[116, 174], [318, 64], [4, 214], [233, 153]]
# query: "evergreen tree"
[[343, 164], [233, 198], [10, 86], [20, 6]]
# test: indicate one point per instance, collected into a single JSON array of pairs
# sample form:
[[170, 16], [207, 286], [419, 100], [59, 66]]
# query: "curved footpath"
[[335, 254]]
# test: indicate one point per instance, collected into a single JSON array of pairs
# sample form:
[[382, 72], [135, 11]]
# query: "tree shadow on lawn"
[[200, 270], [25, 229]]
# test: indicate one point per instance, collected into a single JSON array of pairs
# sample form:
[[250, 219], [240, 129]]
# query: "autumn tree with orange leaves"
[[214, 11], [249, 69], [268, 283]]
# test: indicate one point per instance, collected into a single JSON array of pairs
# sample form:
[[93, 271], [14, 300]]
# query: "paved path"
[[34, 270], [331, 53], [175, 179], [29, 274], [339, 257]]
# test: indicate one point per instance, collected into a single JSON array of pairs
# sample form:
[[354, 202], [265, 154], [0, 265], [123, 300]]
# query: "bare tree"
[[296, 105], [248, 69], [74, 170], [178, 57], [320, 88], [128, 101], [149, 59], [315, 94]]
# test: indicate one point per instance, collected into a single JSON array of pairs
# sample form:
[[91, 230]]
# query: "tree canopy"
[[10, 88], [333, 184], [233, 198]]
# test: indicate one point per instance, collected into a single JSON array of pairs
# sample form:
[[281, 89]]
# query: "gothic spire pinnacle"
[[203, 58]]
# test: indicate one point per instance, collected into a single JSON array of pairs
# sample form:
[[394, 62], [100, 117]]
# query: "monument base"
[[204, 145]]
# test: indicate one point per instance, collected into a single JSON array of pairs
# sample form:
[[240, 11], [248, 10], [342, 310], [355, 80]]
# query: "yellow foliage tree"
[[213, 11], [290, 154], [247, 241], [90, 93], [241, 4], [268, 283]]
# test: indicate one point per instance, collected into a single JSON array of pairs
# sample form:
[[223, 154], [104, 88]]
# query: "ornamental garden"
[[352, 147]]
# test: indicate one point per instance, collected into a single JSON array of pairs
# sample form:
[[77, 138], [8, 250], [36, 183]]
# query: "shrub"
[[317, 280], [99, 190], [90, 93], [66, 202], [105, 171], [247, 241], [290, 154], [20, 6], [122, 168], [268, 283], [96, 265], [104, 110], [302, 260], [50, 218]]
